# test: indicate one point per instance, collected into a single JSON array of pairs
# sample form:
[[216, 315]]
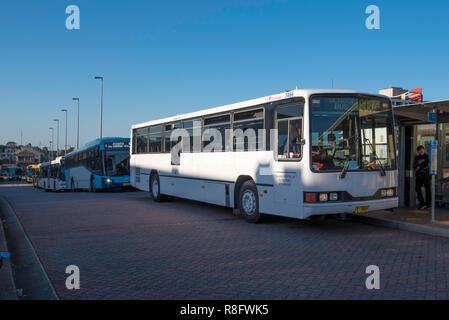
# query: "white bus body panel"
[[57, 184], [81, 177], [44, 183], [281, 185], [197, 178]]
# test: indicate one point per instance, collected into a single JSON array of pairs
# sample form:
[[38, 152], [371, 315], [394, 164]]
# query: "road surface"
[[129, 247]]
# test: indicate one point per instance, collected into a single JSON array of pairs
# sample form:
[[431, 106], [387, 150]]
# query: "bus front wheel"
[[155, 188], [249, 202]]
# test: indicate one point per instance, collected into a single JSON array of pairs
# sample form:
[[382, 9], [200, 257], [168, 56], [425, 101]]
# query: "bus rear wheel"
[[249, 202], [155, 188]]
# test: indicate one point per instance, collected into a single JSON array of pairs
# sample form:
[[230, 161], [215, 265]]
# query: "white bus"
[[319, 152], [57, 175]]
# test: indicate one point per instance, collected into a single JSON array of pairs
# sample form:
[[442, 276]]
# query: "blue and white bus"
[[44, 176], [100, 164]]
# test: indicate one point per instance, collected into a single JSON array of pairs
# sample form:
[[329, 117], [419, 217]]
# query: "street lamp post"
[[65, 145], [101, 106], [57, 137], [52, 140], [78, 124]]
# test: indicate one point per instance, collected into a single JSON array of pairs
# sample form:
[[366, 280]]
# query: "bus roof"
[[253, 102], [99, 142]]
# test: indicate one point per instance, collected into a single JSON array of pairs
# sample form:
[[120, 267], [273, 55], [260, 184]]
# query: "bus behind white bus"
[[100, 164], [57, 181], [44, 176]]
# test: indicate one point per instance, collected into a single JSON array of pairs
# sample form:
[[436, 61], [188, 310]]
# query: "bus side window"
[[193, 127], [109, 164], [246, 126], [215, 127], [282, 136], [156, 139], [290, 135]]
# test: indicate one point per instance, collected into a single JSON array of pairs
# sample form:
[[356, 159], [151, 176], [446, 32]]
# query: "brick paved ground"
[[128, 247]]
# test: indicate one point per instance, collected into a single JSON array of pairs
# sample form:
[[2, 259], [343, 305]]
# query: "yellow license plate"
[[126, 184], [362, 209]]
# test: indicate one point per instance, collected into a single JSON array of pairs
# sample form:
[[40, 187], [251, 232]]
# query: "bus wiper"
[[345, 170], [382, 169]]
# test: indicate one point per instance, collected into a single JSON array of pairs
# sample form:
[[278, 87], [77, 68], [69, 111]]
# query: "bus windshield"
[[351, 133], [116, 163], [61, 171], [15, 171]]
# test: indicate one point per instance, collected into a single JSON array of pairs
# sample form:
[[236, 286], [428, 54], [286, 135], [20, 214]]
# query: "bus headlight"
[[390, 193], [333, 196], [108, 181], [324, 197]]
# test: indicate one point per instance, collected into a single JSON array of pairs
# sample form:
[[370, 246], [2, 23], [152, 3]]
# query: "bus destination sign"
[[116, 145]]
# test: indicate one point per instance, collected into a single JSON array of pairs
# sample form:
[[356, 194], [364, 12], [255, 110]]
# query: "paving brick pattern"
[[128, 247]]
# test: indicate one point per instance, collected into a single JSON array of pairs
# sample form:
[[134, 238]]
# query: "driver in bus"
[[295, 141], [322, 160]]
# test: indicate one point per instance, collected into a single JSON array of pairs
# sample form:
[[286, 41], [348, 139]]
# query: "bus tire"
[[249, 202], [155, 188], [92, 185]]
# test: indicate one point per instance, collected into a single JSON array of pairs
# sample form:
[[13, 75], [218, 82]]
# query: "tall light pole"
[[101, 106], [78, 124], [65, 145], [52, 140], [57, 137]]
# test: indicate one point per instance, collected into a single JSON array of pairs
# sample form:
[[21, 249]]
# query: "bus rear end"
[[352, 163]]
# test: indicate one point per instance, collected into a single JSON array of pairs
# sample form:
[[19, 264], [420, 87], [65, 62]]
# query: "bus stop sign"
[[433, 157]]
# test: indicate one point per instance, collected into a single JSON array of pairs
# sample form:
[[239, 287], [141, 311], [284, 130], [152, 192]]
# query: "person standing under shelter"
[[421, 166]]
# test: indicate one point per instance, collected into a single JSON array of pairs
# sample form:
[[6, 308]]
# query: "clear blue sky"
[[169, 57]]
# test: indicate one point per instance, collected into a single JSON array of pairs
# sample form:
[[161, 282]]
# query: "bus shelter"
[[419, 124]]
